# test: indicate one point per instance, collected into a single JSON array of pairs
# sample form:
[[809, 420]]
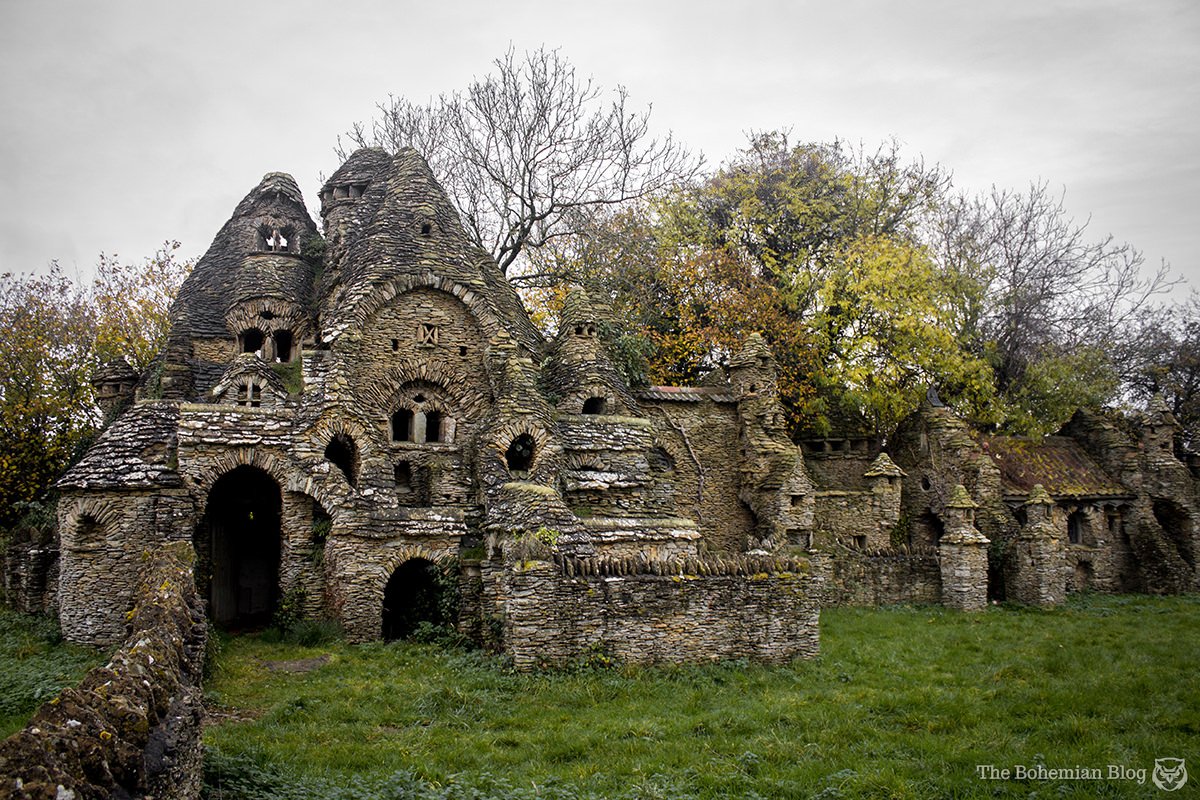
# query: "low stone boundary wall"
[[881, 577], [635, 611], [131, 728]]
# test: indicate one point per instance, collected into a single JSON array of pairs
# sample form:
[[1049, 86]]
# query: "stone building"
[[1107, 505], [340, 426], [334, 431]]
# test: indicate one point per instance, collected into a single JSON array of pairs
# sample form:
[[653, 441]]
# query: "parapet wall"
[[653, 612], [132, 727]]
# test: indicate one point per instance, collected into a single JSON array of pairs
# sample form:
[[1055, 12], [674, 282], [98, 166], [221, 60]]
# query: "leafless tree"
[[1043, 283], [524, 150]]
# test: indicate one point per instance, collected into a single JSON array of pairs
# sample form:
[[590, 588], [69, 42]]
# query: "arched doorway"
[[416, 593], [238, 541]]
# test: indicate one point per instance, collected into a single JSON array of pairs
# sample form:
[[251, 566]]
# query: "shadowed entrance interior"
[[238, 542], [414, 594]]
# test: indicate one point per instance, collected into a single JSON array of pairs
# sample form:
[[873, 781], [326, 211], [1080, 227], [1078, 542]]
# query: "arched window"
[[433, 426], [88, 531], [252, 340], [343, 453], [519, 455], [660, 460], [594, 405], [283, 345], [402, 425]]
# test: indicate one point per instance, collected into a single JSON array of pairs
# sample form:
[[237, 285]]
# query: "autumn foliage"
[[57, 331]]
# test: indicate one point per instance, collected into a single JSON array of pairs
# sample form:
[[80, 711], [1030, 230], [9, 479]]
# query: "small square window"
[[427, 333]]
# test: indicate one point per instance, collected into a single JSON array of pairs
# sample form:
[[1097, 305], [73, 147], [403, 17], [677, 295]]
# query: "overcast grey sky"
[[127, 123]]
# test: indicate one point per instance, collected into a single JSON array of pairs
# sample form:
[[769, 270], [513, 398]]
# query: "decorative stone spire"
[[1036, 561], [963, 555]]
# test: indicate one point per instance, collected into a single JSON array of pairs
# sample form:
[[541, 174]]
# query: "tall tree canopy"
[[872, 280], [57, 332], [528, 151]]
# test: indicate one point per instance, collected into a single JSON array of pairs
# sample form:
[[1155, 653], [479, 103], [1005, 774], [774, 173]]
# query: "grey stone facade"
[[333, 419], [317, 426]]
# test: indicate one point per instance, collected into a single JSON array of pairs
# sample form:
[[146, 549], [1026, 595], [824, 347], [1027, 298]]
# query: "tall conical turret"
[[248, 293]]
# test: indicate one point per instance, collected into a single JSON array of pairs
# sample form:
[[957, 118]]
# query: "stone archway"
[[238, 544], [415, 593]]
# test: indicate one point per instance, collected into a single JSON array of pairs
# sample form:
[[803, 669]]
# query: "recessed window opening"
[[403, 474], [250, 395], [88, 530], [343, 454], [519, 455], [462, 350], [341, 192], [426, 229], [268, 315], [433, 426], [797, 499], [754, 387], [594, 405], [402, 425], [860, 542], [579, 330], [1075, 524], [427, 333], [420, 398], [283, 346], [252, 340], [395, 345], [925, 484], [660, 460]]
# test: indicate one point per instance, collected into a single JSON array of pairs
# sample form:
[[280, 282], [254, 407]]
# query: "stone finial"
[[1158, 404], [753, 353], [579, 309], [884, 467], [1039, 496], [960, 499]]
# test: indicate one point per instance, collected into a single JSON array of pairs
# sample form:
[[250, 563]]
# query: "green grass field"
[[35, 664], [903, 702]]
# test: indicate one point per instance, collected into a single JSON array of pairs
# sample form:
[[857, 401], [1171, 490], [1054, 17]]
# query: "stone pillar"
[[1038, 564], [962, 554]]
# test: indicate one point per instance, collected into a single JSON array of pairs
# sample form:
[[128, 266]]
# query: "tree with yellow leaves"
[[57, 331]]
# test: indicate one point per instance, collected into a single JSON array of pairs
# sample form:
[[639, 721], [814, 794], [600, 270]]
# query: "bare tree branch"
[[526, 148]]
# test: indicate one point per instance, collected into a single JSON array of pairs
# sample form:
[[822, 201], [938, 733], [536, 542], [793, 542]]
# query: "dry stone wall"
[[132, 728], [881, 578], [646, 612]]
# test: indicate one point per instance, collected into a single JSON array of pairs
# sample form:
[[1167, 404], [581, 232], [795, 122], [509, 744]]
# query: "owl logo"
[[1169, 773]]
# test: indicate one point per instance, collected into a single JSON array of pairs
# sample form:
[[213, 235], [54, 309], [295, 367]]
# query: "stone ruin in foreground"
[[341, 436]]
